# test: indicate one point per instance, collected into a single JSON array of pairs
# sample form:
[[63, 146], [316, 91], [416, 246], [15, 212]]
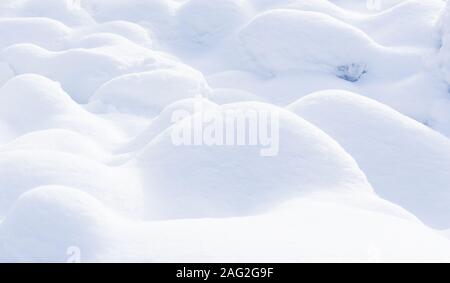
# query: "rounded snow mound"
[[51, 224], [148, 93], [37, 94], [158, 15], [44, 32], [411, 23], [406, 162], [217, 177], [23, 170], [128, 30], [31, 102], [308, 40], [207, 22], [92, 67]]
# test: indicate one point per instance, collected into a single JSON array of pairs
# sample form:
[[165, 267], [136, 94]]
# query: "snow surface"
[[88, 93]]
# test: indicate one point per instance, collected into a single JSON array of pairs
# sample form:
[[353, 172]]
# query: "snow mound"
[[44, 32], [46, 221], [313, 41], [237, 180], [131, 31], [30, 103], [207, 22], [310, 40], [92, 67], [148, 93], [157, 15], [411, 23], [406, 162], [23, 170]]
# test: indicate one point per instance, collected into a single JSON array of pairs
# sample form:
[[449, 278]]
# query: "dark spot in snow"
[[352, 72]]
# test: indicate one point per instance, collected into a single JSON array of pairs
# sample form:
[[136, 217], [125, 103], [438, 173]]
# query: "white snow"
[[97, 98], [148, 93], [390, 148]]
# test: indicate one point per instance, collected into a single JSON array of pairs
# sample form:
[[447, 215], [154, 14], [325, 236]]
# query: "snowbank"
[[406, 162]]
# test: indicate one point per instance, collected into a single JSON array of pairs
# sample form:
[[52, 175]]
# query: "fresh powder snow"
[[225, 130]]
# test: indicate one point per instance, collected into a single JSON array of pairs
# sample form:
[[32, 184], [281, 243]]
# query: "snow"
[[304, 151], [111, 146], [32, 102], [208, 22], [149, 92], [390, 148], [444, 31]]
